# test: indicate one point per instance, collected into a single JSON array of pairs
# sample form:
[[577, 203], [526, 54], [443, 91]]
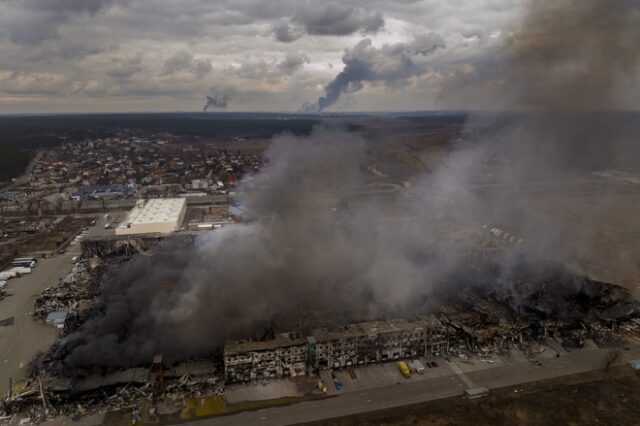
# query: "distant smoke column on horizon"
[[386, 64], [217, 101]]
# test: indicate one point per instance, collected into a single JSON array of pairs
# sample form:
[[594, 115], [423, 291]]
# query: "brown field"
[[607, 397]]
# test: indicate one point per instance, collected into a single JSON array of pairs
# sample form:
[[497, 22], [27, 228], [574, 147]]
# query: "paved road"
[[420, 391], [26, 175], [22, 340]]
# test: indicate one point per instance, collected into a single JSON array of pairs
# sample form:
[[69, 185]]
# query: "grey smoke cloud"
[[44, 18], [217, 101], [565, 65], [560, 70], [387, 64], [337, 19], [306, 261], [286, 33]]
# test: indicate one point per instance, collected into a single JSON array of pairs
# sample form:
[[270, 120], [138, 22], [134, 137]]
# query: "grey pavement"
[[423, 390], [20, 342]]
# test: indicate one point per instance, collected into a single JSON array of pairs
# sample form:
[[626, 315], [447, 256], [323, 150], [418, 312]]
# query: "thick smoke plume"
[[565, 69], [217, 101], [310, 257], [568, 64], [387, 64], [571, 54]]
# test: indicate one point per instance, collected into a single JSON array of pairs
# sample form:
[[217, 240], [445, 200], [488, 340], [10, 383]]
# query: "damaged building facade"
[[290, 354], [284, 356]]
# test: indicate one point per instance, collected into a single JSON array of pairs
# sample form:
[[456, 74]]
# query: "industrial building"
[[157, 216], [290, 354], [284, 356], [377, 341]]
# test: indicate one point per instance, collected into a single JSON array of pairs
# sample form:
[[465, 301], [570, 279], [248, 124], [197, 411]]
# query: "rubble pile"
[[74, 293], [494, 315], [113, 246], [52, 395], [525, 306], [119, 246]]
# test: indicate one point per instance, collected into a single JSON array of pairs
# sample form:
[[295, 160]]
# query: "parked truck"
[[21, 270], [404, 369], [417, 365], [5, 275]]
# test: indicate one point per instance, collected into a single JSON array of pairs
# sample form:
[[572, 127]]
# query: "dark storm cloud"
[[125, 69], [41, 20], [337, 19], [328, 19], [34, 29], [292, 62], [273, 71], [387, 64], [76, 42], [71, 6], [184, 61], [286, 33]]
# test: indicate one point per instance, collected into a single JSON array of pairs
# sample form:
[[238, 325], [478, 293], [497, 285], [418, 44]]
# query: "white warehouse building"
[[158, 215]]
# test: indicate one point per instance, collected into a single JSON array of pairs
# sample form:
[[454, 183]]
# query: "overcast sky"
[[250, 55]]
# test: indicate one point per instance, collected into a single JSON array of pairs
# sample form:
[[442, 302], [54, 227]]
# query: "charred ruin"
[[290, 354], [505, 310]]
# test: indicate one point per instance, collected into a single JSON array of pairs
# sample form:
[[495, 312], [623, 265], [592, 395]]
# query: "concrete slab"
[[20, 341], [271, 389]]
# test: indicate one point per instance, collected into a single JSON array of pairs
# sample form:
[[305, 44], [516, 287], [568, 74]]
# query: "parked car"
[[404, 369]]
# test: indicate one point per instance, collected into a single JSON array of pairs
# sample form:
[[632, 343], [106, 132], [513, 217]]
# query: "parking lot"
[[20, 341], [380, 375], [22, 337], [374, 376]]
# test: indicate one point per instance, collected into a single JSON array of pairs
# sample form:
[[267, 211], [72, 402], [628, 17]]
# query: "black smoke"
[[309, 259], [387, 64], [217, 101]]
